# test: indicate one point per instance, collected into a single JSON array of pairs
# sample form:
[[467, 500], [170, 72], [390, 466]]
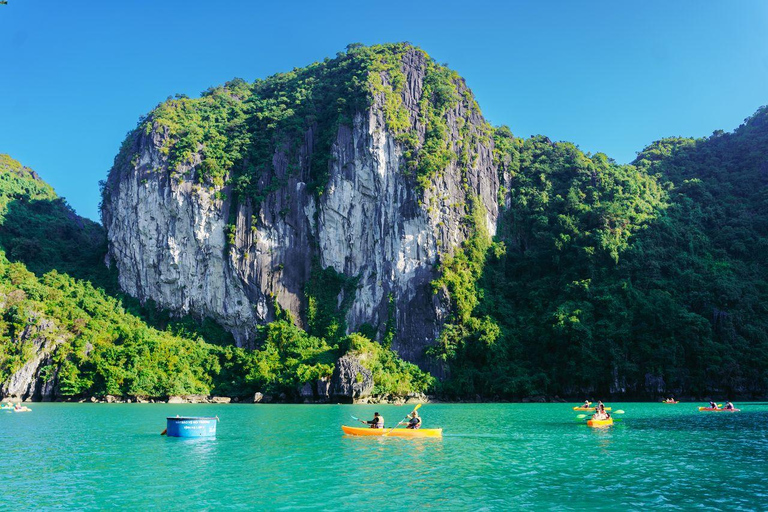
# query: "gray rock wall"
[[167, 236], [167, 233], [38, 378]]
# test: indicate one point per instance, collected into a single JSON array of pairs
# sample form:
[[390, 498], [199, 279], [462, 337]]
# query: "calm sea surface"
[[287, 457]]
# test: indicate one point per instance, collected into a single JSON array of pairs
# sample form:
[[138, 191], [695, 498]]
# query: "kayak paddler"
[[414, 422], [729, 406], [713, 405], [600, 413], [587, 403], [377, 421]]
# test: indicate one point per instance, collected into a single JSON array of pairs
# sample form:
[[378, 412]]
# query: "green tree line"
[[616, 278]]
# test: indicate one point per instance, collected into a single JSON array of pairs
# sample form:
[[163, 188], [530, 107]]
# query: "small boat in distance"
[[396, 432], [588, 409], [14, 408]]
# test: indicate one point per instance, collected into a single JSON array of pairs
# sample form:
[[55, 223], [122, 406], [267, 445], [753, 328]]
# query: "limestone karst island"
[[470, 316]]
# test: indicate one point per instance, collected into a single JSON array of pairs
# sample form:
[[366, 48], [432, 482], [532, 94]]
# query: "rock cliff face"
[[38, 378], [168, 234], [351, 379], [168, 240]]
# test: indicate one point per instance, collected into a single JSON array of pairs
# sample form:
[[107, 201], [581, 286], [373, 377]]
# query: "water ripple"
[[493, 457]]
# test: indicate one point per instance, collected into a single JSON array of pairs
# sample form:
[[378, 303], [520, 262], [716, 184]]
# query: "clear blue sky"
[[610, 76]]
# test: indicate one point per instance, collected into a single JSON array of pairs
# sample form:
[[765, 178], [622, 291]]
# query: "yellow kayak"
[[398, 432], [600, 423], [665, 402], [589, 409]]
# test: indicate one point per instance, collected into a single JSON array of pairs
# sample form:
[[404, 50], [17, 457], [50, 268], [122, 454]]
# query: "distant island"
[[355, 230]]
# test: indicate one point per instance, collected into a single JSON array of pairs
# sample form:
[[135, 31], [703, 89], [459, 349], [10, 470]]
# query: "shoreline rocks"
[[313, 393]]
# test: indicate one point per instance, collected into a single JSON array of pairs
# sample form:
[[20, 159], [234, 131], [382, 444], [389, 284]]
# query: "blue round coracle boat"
[[191, 426]]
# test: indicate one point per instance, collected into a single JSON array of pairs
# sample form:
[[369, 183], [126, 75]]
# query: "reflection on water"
[[492, 457], [195, 450]]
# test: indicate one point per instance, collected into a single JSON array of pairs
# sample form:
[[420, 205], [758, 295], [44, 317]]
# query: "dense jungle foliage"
[[644, 279], [56, 293], [640, 279]]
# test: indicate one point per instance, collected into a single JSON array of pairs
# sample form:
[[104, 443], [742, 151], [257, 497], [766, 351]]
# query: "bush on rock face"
[[390, 374]]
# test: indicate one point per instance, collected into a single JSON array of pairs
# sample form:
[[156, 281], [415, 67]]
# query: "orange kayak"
[[600, 423], [664, 402], [398, 432], [710, 409]]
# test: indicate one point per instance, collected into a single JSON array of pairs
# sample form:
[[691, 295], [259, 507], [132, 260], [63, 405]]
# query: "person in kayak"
[[713, 405], [600, 413], [729, 406], [377, 421], [587, 403], [414, 422]]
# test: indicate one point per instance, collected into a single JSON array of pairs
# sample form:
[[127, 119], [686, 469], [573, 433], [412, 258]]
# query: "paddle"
[[406, 417], [582, 416], [358, 419]]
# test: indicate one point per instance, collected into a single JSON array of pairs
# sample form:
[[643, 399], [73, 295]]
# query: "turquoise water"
[[286, 457]]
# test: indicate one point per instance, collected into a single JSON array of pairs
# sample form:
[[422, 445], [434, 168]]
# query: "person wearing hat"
[[377, 421], [414, 422]]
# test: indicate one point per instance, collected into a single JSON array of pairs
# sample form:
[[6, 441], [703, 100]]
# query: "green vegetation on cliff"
[[233, 132], [616, 277], [95, 341], [602, 278], [40, 229]]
